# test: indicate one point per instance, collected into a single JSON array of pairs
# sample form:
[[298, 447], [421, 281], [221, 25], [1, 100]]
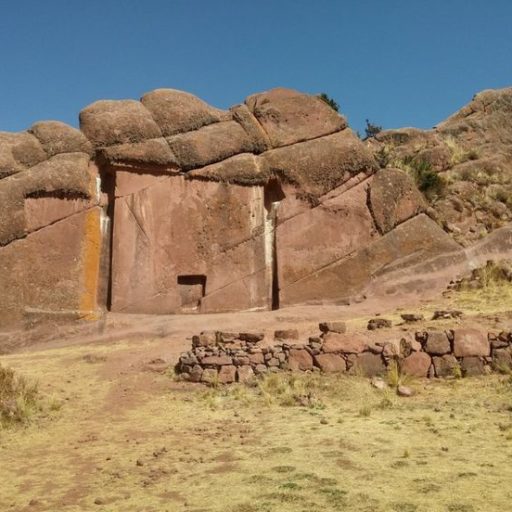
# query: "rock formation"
[[168, 205]]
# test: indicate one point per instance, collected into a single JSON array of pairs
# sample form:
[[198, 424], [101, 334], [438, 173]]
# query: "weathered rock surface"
[[53, 272], [210, 144], [62, 176], [108, 122], [470, 342], [330, 363], [18, 152], [462, 165], [437, 343], [346, 343], [243, 169], [369, 365], [275, 202], [416, 365], [178, 111], [152, 152], [320, 165], [288, 116], [57, 137], [418, 247], [174, 251], [394, 198]]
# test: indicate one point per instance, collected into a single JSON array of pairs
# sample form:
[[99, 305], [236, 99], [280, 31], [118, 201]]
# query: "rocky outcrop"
[[463, 165], [394, 198], [289, 117], [19, 152], [56, 138], [179, 112], [50, 226], [176, 206]]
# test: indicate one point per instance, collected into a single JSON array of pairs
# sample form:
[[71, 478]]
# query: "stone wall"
[[220, 357]]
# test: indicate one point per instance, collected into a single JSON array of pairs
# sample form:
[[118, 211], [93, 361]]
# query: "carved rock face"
[[194, 209]]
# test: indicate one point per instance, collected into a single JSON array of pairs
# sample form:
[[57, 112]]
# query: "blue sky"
[[398, 63]]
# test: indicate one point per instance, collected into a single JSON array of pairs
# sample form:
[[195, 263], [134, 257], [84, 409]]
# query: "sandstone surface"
[[169, 205]]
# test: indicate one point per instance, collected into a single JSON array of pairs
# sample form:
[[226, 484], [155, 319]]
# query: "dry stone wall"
[[221, 357]]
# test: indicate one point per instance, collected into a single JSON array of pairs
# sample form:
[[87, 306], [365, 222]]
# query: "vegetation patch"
[[18, 398]]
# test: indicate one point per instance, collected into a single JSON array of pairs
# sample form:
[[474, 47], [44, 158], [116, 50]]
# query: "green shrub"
[[427, 180], [329, 101], [382, 157], [371, 129]]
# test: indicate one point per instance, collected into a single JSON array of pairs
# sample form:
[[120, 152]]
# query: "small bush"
[[371, 129], [329, 101], [18, 397], [472, 154], [427, 180], [382, 157], [289, 390], [395, 377]]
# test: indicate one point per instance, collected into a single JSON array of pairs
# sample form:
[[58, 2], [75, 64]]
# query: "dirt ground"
[[116, 433]]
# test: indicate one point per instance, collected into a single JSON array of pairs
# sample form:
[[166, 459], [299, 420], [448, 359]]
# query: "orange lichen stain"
[[91, 251]]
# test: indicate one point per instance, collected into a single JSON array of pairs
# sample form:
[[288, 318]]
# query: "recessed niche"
[[192, 289]]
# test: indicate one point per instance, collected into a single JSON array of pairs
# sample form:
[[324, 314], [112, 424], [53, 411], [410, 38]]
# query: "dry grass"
[[494, 296], [127, 440], [18, 398]]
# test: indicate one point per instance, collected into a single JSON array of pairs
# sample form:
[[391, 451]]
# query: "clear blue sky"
[[397, 62]]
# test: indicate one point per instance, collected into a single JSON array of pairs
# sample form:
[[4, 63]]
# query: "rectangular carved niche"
[[192, 289]]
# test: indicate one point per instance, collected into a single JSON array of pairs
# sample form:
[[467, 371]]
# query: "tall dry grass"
[[18, 397]]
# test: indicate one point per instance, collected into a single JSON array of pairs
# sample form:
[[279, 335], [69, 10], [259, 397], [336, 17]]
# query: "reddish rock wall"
[[168, 205], [173, 233]]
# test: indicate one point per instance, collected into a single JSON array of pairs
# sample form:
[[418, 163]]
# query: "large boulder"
[[330, 363], [320, 165], [52, 272], [178, 111], [18, 152], [502, 359], [288, 116], [437, 343], [67, 175], [452, 162], [445, 366], [152, 152], [334, 342], [368, 364], [469, 342], [417, 255], [260, 139], [57, 137], [472, 366], [394, 198], [416, 365], [300, 359], [210, 144], [243, 169], [108, 122]]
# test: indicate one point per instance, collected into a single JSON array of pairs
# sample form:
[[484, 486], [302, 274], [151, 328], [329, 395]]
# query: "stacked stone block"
[[221, 357]]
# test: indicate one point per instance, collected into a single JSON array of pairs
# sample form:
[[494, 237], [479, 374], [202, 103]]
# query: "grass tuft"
[[395, 377], [18, 398]]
